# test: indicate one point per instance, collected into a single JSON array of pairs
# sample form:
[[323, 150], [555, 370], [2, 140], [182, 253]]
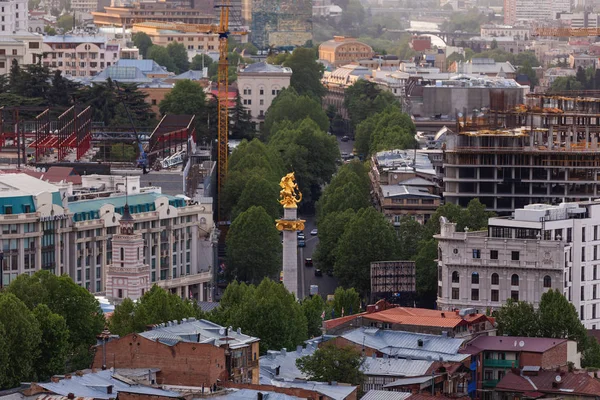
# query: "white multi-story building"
[[40, 229], [527, 10], [13, 16], [259, 84], [79, 56], [521, 257], [518, 32]]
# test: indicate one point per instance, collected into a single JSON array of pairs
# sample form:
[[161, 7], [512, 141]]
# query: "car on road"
[[301, 236], [345, 138], [301, 243], [308, 262], [318, 272], [314, 232]]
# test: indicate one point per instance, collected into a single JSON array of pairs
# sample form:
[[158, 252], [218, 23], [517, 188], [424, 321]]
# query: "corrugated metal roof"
[[414, 380], [335, 392], [96, 385], [408, 344], [385, 395], [263, 67], [395, 367], [246, 394]]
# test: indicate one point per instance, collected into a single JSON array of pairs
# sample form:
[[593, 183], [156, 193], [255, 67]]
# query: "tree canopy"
[[364, 99], [178, 54], [154, 307], [142, 41], [306, 72], [290, 106], [267, 311], [387, 130], [187, 98], [253, 247], [162, 57], [313, 308], [333, 364]]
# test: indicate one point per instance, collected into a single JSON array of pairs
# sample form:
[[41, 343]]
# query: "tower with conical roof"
[[127, 276]]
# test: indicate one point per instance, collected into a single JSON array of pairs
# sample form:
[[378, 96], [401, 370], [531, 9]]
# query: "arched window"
[[547, 281], [514, 280], [495, 279], [475, 278], [455, 277]]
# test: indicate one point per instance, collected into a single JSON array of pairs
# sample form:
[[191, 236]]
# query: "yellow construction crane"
[[223, 100], [565, 32]]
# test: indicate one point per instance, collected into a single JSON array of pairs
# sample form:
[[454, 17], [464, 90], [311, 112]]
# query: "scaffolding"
[[392, 278]]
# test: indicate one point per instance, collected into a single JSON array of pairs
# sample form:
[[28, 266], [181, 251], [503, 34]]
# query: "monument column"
[[289, 224]]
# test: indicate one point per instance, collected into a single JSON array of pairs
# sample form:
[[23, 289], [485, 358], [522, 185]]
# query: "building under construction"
[[281, 23], [543, 152], [392, 279]]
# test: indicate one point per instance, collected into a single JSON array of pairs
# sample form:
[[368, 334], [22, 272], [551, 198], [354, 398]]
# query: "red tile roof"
[[577, 384], [58, 174], [511, 343], [425, 396], [332, 323], [418, 317]]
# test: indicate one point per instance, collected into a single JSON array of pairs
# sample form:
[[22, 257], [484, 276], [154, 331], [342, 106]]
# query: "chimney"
[[54, 379], [259, 396], [443, 315], [67, 376], [70, 396], [109, 389]]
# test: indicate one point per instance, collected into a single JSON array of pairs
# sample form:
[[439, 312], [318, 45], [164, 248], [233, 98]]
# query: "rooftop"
[[146, 66], [246, 394], [511, 343], [405, 160], [545, 382], [96, 385], [421, 317], [334, 392], [338, 41], [74, 39], [12, 185], [265, 68], [402, 344], [385, 395], [198, 331], [406, 191]]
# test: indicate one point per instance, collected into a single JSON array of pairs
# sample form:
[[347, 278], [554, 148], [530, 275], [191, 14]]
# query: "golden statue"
[[289, 193]]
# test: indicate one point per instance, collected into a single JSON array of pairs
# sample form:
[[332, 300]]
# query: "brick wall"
[[555, 357], [188, 364]]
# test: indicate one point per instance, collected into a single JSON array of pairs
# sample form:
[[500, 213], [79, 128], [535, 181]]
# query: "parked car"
[[345, 138], [308, 262], [301, 243], [318, 272], [314, 232], [301, 236]]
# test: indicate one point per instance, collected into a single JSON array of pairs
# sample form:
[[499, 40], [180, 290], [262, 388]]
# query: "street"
[[327, 284]]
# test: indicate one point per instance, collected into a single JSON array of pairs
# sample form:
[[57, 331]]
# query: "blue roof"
[[94, 385], [138, 203], [144, 65], [122, 74]]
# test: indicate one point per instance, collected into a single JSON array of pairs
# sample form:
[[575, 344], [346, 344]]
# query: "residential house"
[[534, 383]]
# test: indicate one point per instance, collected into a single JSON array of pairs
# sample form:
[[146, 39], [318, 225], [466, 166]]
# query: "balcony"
[[500, 363], [490, 383]]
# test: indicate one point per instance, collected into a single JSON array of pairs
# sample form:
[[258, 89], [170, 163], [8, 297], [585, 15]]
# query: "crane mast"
[[223, 100]]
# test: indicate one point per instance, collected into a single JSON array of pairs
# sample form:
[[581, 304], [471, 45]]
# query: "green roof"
[[138, 203]]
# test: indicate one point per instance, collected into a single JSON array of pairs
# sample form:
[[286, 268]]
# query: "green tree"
[[143, 42], [306, 72], [364, 99], [591, 354], [331, 228], [474, 217], [4, 358], [65, 22], [410, 233], [74, 303], [50, 31], [581, 77], [199, 61], [187, 98], [178, 54], [559, 319], [349, 188], [426, 268], [313, 308], [531, 75], [253, 246], [54, 346], [288, 105], [122, 152], [494, 44], [241, 123], [162, 57], [333, 364], [309, 152], [267, 311], [346, 301], [564, 84], [259, 192], [156, 306], [23, 337], [378, 242], [518, 318], [386, 130]]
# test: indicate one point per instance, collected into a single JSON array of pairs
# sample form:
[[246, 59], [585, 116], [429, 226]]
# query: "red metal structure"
[[171, 135]]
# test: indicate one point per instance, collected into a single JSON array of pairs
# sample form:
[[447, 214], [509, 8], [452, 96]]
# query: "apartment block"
[[79, 56], [527, 10], [544, 152], [41, 229], [13, 16], [24, 47], [541, 247]]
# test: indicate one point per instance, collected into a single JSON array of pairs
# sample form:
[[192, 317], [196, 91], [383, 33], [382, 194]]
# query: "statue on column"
[[289, 193]]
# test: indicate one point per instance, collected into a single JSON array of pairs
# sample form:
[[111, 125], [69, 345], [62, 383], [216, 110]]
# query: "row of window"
[[495, 279], [514, 255], [495, 294], [274, 92]]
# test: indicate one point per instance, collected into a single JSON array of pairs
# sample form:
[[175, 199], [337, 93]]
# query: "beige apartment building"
[[24, 47], [192, 37], [151, 11], [259, 84], [342, 50]]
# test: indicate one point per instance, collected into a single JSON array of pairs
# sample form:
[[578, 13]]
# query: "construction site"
[[544, 151]]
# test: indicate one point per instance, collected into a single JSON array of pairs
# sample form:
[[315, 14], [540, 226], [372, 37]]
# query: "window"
[[547, 281], [514, 280], [595, 272], [474, 294], [583, 253], [595, 252], [514, 255], [475, 278], [494, 254], [594, 292], [495, 279], [8, 210], [14, 52], [593, 311], [455, 293], [476, 253], [582, 313], [122, 254], [120, 295], [33, 45], [583, 273], [583, 233], [153, 102], [455, 277], [495, 295], [582, 294], [595, 232], [262, 91], [514, 294], [262, 102], [569, 235]]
